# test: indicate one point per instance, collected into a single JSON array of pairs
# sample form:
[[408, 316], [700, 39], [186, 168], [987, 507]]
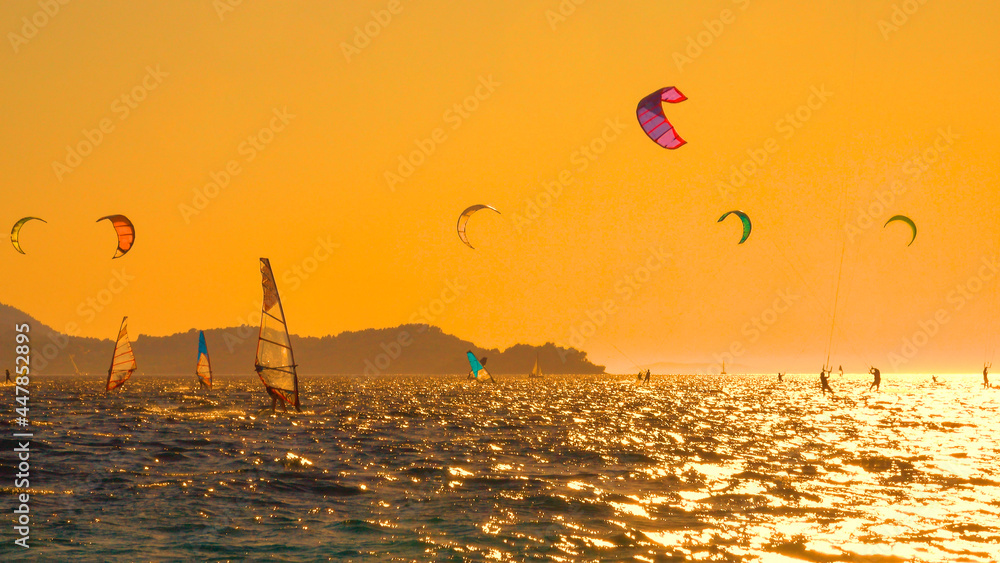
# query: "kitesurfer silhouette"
[[824, 381], [877, 381]]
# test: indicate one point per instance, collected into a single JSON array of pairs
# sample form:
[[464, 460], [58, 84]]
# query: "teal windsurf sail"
[[204, 369], [478, 372]]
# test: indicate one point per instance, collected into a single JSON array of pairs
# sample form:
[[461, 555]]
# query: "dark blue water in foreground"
[[569, 469]]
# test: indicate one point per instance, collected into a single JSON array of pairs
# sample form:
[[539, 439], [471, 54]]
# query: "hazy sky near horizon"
[[286, 130]]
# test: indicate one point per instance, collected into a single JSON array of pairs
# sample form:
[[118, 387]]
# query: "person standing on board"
[[8, 377], [780, 375], [841, 371], [986, 377], [877, 381], [824, 382], [274, 395], [647, 377], [275, 399]]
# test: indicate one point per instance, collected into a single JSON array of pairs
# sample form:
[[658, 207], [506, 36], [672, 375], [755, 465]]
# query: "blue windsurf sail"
[[478, 372], [204, 369]]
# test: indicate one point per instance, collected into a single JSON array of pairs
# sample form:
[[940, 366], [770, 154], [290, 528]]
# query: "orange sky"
[[309, 117]]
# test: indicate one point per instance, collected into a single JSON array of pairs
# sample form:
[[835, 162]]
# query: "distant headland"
[[406, 349]]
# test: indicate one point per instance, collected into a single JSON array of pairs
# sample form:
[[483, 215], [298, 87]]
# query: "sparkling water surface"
[[571, 468]]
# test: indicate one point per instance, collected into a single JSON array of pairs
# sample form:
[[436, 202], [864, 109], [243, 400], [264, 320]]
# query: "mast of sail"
[[122, 362], [275, 363], [204, 369], [76, 368]]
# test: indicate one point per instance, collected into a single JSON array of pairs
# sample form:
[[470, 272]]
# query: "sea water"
[[588, 468]]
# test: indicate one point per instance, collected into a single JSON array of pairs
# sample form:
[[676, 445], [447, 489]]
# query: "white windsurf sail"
[[204, 369], [275, 364], [122, 362]]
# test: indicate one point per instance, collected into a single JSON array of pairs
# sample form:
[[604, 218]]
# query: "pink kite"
[[654, 122]]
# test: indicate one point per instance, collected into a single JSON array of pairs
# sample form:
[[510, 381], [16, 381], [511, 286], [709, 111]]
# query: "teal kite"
[[746, 223], [908, 221]]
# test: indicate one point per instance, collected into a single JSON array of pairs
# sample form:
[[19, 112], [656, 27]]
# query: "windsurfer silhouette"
[[647, 376], [877, 381], [781, 374], [986, 377], [275, 399], [8, 377], [479, 372]]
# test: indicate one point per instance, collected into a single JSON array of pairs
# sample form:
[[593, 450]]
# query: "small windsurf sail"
[[76, 368], [275, 364], [123, 360], [478, 372], [536, 371], [204, 369]]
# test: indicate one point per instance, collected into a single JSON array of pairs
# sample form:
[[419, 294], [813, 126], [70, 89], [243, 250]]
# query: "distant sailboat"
[[723, 368], [204, 369], [536, 372], [478, 372], [122, 362], [275, 363]]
